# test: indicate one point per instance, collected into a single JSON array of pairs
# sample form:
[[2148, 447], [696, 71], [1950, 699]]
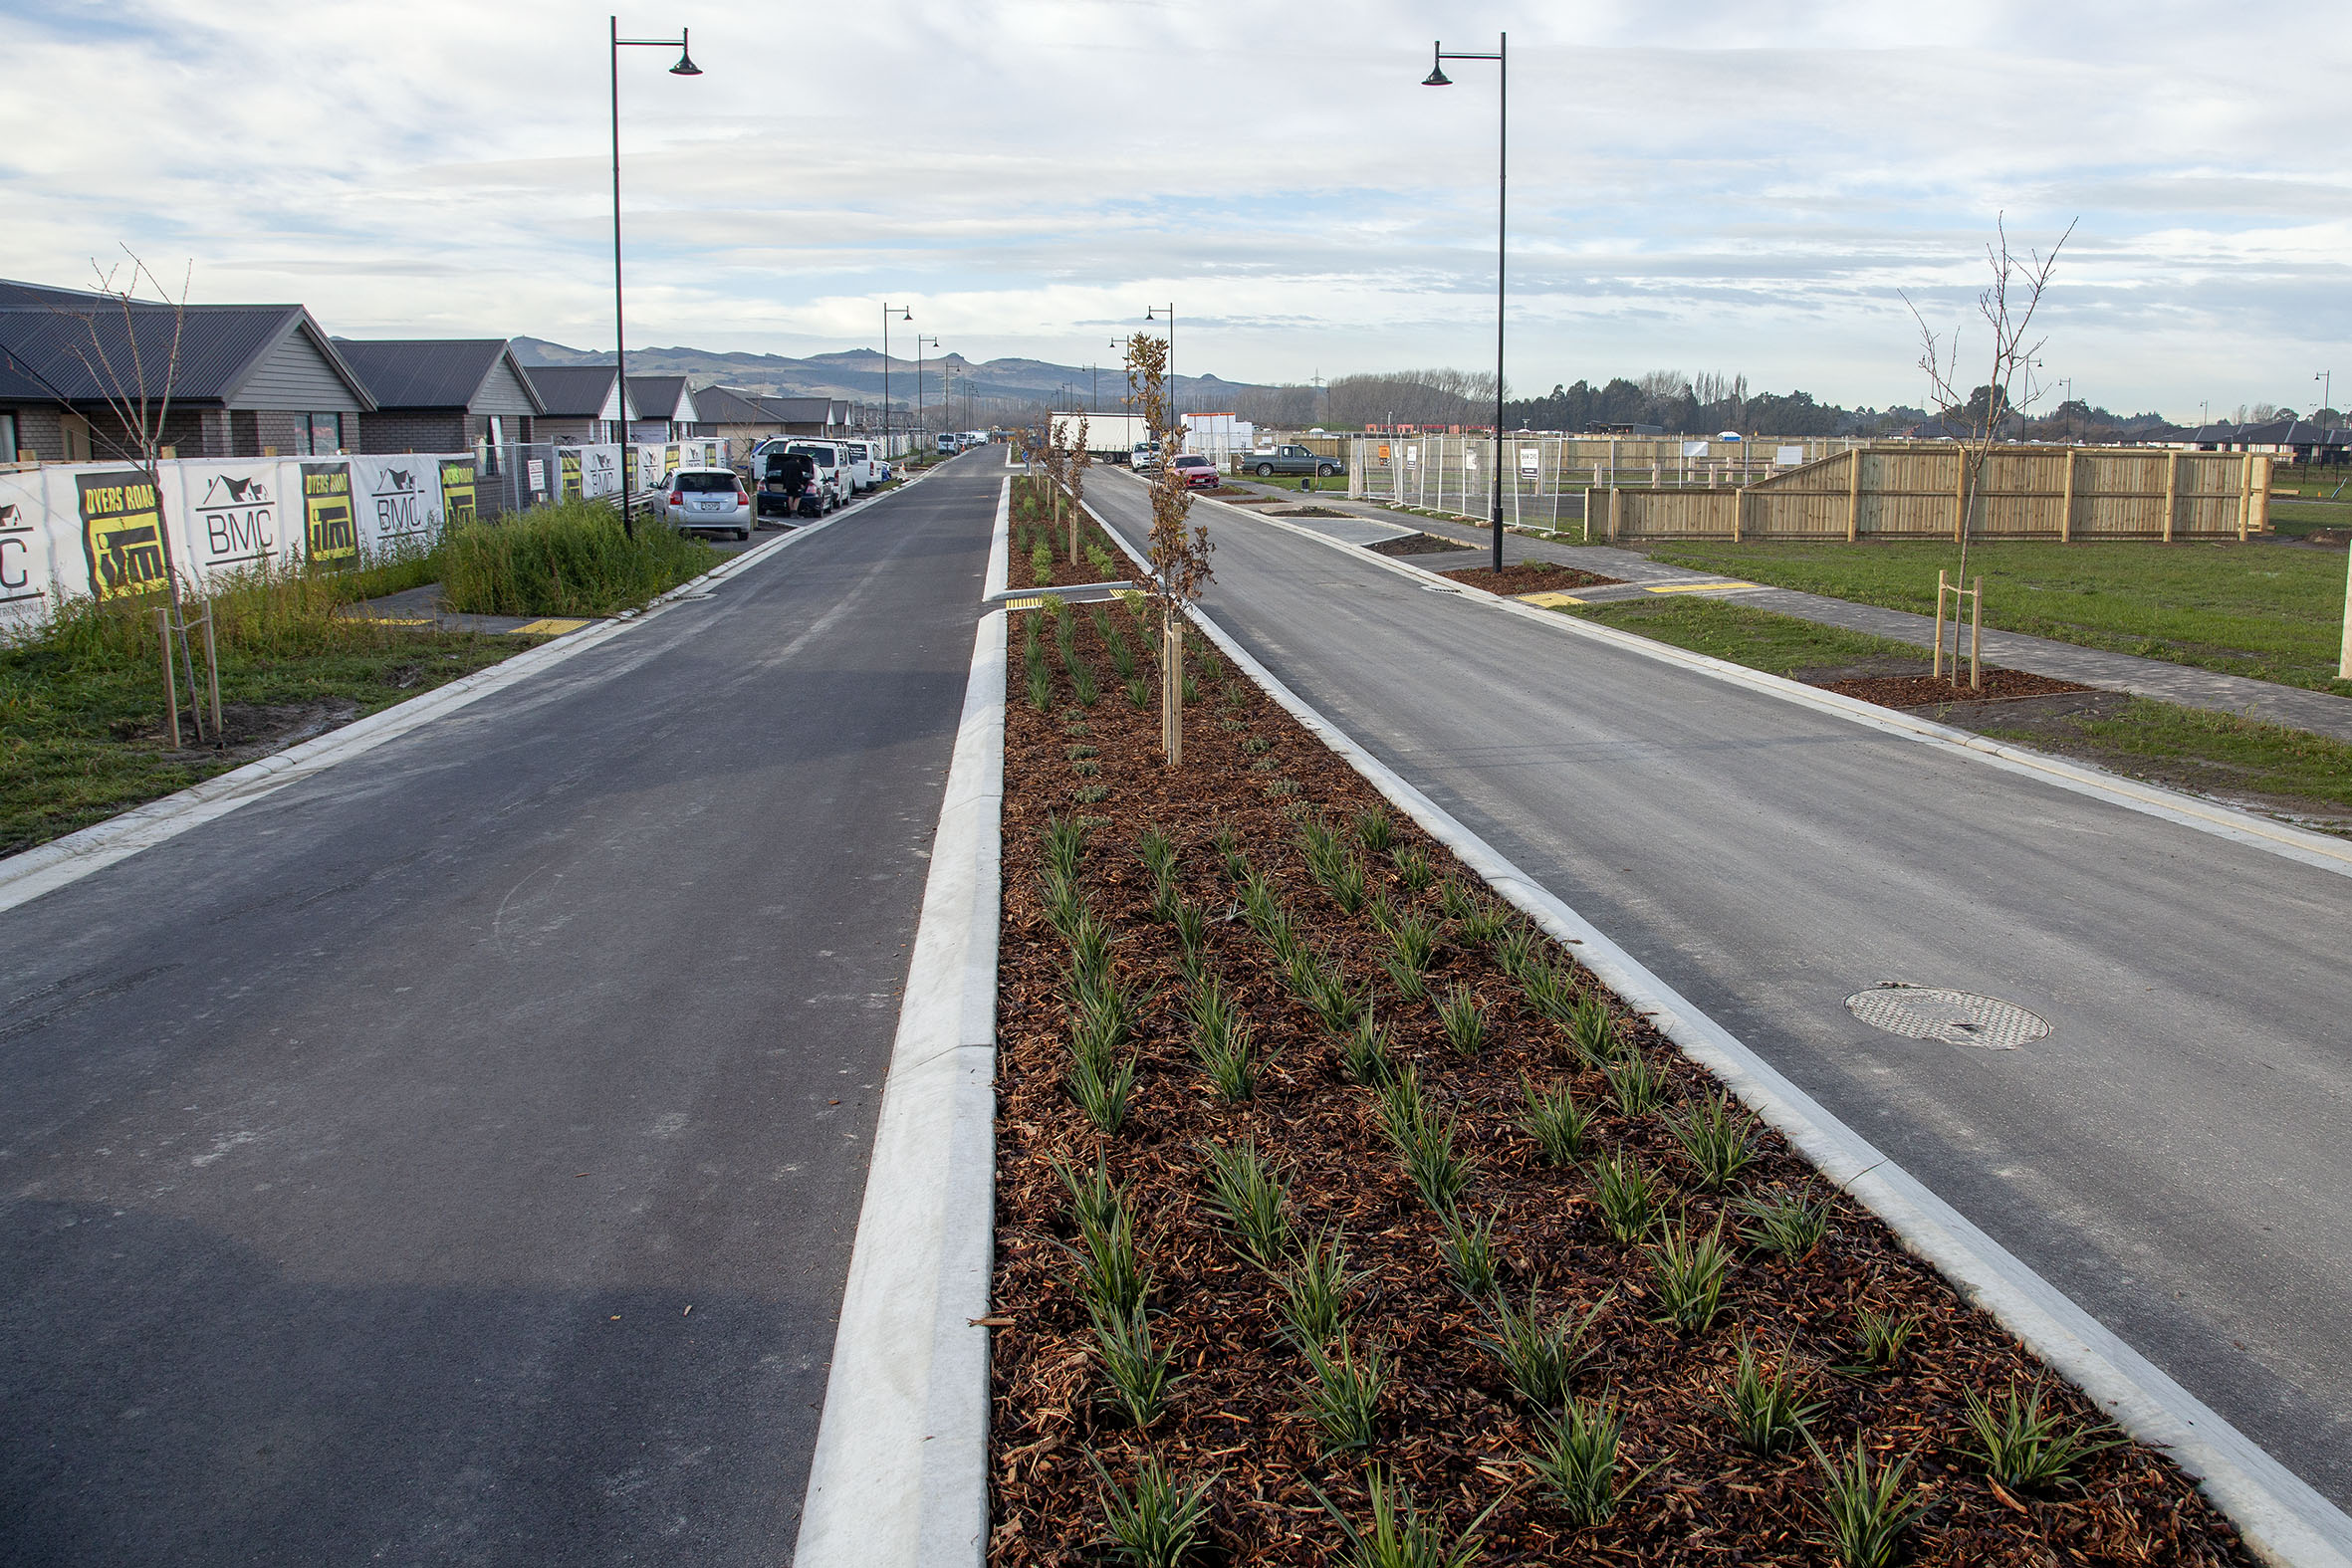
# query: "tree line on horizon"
[[1674, 402]]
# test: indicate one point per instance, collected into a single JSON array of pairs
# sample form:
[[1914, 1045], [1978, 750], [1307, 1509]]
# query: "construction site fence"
[[2061, 494], [1829, 488], [1545, 477]]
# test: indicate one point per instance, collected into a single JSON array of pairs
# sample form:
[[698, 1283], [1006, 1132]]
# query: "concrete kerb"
[[1000, 545], [900, 1474], [2293, 844], [62, 861], [2284, 1520]]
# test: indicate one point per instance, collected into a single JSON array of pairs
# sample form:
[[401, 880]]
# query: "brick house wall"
[[415, 430]]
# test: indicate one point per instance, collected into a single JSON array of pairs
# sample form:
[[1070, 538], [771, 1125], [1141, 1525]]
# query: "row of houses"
[[266, 380], [2289, 440]]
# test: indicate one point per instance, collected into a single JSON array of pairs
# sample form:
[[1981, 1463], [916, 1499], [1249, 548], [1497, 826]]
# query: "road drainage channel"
[[1956, 1017]]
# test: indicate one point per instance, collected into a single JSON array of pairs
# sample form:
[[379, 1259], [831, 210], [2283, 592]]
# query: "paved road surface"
[[2173, 1156], [361, 1154]]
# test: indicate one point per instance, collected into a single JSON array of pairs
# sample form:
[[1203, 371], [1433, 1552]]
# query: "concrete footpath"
[[455, 1156], [2321, 713]]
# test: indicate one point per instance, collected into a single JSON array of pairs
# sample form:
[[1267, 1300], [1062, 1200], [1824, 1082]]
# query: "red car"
[[1197, 472]]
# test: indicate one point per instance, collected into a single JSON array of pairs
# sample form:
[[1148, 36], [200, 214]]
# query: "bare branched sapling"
[[1178, 566], [2007, 304]]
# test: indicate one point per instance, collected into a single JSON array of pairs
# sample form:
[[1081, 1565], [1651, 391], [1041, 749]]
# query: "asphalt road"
[[2173, 1156], [455, 1159]]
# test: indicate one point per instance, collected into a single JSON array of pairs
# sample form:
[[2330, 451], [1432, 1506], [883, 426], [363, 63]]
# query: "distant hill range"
[[857, 373]]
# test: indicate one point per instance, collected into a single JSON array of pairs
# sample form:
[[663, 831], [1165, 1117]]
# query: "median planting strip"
[[1328, 1181]]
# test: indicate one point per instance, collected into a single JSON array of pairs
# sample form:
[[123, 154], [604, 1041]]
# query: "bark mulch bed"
[[1926, 691], [1099, 560], [1533, 576], [1417, 545], [1447, 1425]]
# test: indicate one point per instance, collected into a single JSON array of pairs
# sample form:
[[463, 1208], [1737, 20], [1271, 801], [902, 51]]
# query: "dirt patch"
[[1531, 577], [1417, 545], [1919, 691], [256, 730], [1239, 817]]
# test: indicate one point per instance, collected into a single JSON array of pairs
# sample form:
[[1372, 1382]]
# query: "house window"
[[321, 435], [73, 433], [497, 427]]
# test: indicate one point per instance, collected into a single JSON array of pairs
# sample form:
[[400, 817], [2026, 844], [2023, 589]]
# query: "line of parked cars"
[[792, 477]]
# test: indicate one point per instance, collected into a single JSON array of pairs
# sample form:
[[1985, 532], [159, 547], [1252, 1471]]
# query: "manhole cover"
[[1956, 1017]]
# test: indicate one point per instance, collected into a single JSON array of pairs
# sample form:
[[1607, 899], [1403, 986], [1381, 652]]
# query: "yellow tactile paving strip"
[[546, 628]]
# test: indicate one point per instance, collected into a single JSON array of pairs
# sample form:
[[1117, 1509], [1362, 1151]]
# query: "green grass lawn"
[[81, 733], [2213, 751], [2298, 517], [2253, 609], [1738, 634], [2162, 741]]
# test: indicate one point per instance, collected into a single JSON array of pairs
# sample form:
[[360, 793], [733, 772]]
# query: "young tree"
[[137, 390], [1074, 469], [2007, 305], [1178, 559]]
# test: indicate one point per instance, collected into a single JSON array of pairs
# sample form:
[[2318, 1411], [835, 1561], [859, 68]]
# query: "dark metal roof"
[[656, 396], [429, 372], [725, 405], [571, 391], [66, 345]]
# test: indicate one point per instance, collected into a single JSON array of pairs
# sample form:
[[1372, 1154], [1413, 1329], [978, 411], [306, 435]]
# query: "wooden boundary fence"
[[2063, 495]]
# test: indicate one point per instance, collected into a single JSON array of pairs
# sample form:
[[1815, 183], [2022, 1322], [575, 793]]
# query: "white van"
[[864, 471]]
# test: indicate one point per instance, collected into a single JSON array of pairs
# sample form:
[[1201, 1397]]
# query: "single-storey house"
[[442, 394], [662, 408], [754, 416], [2288, 440], [252, 380], [582, 403]]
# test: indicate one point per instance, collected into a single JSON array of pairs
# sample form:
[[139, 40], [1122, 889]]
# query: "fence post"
[[1854, 496], [1616, 512], [2066, 516], [1976, 635], [2245, 494], [1738, 504], [2171, 492], [1959, 500], [1936, 669]]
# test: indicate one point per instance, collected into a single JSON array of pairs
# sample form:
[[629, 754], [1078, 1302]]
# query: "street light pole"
[[923, 419], [2328, 390], [905, 314], [1437, 78], [621, 375], [1175, 405]]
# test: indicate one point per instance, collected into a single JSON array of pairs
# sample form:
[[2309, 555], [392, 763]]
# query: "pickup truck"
[[1289, 460]]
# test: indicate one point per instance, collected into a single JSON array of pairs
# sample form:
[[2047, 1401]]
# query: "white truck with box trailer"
[[1110, 437]]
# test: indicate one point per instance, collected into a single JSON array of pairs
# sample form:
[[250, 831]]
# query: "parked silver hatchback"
[[708, 501]]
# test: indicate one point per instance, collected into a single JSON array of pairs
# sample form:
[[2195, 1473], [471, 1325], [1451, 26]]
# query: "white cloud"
[[1743, 186]]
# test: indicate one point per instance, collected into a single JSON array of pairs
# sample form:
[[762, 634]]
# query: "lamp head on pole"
[[685, 65], [1437, 71]]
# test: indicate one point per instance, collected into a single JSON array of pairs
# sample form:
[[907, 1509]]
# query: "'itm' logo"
[[240, 519]]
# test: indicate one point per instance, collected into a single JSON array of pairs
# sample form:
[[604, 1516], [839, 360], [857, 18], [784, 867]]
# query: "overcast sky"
[[1725, 187]]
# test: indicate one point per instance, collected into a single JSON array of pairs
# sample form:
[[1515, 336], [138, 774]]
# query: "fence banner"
[[399, 501], [28, 565], [231, 515], [599, 471]]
